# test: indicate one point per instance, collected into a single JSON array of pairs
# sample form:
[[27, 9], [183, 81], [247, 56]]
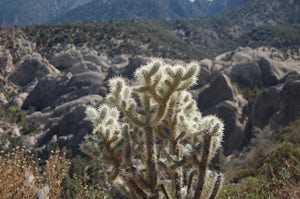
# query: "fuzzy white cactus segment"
[[151, 138], [105, 120]]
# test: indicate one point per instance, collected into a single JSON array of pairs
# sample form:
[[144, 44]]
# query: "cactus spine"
[[151, 138]]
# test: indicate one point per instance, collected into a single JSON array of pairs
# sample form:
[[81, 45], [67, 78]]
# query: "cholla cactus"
[[151, 138]]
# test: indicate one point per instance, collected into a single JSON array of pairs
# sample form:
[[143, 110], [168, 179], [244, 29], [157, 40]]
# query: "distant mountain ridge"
[[218, 6], [134, 9], [100, 10], [24, 12], [251, 13]]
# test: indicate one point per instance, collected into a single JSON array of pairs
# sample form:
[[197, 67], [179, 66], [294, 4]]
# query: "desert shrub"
[[21, 176], [76, 189], [250, 94], [247, 188], [283, 161], [84, 181], [290, 133], [11, 114], [270, 168], [242, 173]]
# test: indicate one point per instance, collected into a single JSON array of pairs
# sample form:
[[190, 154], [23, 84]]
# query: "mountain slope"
[[266, 12], [250, 12], [21, 12], [214, 7], [99, 10], [134, 9]]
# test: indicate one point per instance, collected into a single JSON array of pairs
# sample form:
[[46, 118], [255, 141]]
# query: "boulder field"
[[248, 89]]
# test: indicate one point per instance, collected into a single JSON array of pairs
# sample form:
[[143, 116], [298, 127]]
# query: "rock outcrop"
[[8, 130], [266, 105], [32, 68], [3, 99], [59, 98], [124, 66], [78, 61], [46, 92], [222, 99], [6, 62], [271, 71], [67, 122], [247, 74]]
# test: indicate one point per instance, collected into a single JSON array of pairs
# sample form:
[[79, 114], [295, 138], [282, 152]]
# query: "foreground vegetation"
[[22, 176], [268, 168]]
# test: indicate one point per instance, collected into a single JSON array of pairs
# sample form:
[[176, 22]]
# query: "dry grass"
[[22, 177]]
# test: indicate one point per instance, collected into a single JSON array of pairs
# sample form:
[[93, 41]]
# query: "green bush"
[[248, 188], [270, 168], [11, 114]]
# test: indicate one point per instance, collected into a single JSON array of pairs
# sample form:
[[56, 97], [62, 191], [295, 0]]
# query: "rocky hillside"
[[249, 89], [265, 12], [185, 40]]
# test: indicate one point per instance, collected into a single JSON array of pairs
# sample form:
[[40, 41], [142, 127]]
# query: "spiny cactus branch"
[[203, 164], [164, 191], [151, 160], [136, 178], [190, 181], [136, 189], [217, 186]]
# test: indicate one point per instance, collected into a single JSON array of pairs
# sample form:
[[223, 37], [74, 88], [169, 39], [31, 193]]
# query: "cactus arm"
[[151, 160], [164, 191], [133, 118], [175, 176], [179, 82], [163, 107], [134, 187], [217, 186], [133, 195], [178, 187], [113, 175], [151, 163], [135, 177], [203, 165], [149, 86], [187, 159], [190, 184], [151, 89], [110, 156]]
